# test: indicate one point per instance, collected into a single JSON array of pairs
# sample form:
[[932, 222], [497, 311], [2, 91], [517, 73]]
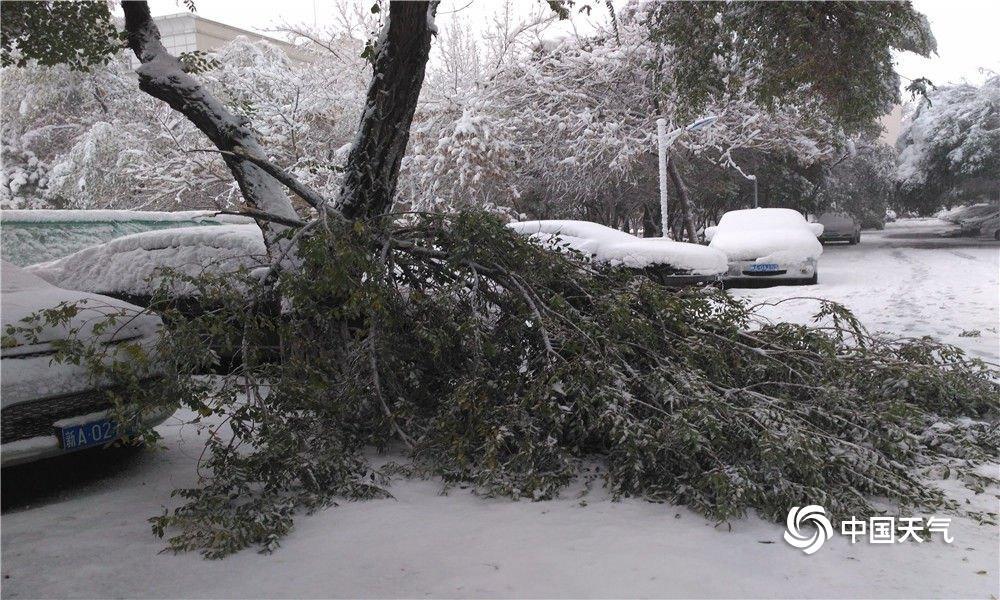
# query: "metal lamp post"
[[664, 140]]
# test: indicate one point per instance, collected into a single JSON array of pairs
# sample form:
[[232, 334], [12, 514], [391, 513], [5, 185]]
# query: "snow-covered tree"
[[574, 123], [111, 146], [949, 147]]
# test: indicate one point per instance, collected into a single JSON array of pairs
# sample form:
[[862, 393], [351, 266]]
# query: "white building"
[[188, 32]]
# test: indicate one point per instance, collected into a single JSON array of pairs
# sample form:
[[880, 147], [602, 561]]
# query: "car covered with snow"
[[772, 245], [991, 227], [132, 267], [839, 227], [49, 407], [38, 235], [667, 261]]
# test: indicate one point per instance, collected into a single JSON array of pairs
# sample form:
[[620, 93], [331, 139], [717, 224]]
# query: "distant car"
[[51, 408], [774, 245], [991, 227], [669, 262], [839, 227]]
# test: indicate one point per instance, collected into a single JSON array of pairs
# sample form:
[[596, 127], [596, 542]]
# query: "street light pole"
[[664, 140], [753, 178]]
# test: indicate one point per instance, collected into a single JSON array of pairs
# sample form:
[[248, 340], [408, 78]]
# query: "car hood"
[[775, 245], [28, 370], [81, 312]]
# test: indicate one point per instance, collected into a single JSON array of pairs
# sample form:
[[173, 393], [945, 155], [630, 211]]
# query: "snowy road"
[[91, 540], [908, 281]]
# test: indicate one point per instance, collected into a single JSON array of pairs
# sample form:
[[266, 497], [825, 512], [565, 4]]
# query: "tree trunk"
[[651, 219], [161, 76], [682, 197], [400, 61]]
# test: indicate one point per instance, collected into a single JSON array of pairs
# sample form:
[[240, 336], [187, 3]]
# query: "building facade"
[[188, 32]]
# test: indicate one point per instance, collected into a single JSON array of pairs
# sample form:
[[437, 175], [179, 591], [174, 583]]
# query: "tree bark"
[[400, 61], [651, 219], [161, 76], [682, 196]]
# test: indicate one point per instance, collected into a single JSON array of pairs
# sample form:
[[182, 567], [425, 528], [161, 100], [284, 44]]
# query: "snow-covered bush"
[[23, 178]]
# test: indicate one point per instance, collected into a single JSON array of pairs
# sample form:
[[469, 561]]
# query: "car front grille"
[[35, 417]]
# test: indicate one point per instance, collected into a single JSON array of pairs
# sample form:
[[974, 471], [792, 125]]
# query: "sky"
[[966, 30]]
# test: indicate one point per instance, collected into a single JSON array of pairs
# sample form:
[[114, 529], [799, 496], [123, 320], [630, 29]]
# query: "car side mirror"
[[710, 232]]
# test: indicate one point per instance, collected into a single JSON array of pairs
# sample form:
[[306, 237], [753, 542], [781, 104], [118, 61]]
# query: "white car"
[[50, 408], [670, 262], [773, 245]]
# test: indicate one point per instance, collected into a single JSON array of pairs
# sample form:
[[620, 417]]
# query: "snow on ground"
[[910, 281], [92, 540]]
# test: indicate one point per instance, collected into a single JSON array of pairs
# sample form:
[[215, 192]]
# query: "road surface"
[[908, 281]]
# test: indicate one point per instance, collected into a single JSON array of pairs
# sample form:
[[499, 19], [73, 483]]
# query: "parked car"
[[991, 227], [669, 262], [33, 236], [128, 267], [839, 227], [49, 408], [776, 245]]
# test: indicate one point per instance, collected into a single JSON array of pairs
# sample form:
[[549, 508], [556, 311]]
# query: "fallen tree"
[[479, 356]]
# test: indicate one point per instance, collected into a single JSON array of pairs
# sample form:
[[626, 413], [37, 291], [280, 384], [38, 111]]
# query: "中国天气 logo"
[[813, 517]]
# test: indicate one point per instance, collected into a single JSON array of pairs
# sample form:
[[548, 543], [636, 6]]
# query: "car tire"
[[855, 239], [813, 280], [996, 235]]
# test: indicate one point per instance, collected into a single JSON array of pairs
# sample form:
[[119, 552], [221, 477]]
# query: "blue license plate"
[[95, 433], [763, 267]]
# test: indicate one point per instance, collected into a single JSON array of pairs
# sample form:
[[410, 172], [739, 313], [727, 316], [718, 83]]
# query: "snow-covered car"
[[667, 261], [991, 227], [49, 408], [775, 245], [37, 235], [839, 227], [127, 267]]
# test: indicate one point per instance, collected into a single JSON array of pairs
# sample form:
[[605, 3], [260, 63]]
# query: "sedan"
[[773, 245], [671, 263], [839, 227], [49, 407]]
